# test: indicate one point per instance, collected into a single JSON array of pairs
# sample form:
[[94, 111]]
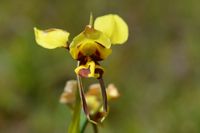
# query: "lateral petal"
[[51, 38]]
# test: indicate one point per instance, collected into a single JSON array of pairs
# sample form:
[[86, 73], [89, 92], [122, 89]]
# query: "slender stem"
[[95, 128]]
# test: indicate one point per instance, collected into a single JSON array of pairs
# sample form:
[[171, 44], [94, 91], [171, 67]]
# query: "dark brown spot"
[[96, 56], [81, 57]]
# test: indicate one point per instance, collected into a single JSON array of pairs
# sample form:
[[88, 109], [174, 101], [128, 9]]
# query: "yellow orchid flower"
[[89, 47], [93, 44]]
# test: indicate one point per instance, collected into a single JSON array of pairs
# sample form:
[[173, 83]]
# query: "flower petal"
[[89, 42], [113, 26], [90, 34], [112, 92], [69, 94], [51, 38]]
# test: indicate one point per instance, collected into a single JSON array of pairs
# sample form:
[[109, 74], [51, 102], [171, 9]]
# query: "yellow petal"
[[90, 34], [114, 27], [51, 38]]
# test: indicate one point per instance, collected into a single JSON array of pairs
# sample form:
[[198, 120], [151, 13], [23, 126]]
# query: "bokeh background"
[[157, 71]]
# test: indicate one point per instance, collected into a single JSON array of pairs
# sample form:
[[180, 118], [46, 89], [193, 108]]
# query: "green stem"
[[95, 128], [75, 122]]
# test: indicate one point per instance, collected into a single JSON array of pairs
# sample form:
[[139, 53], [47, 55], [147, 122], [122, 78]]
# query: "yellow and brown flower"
[[91, 45]]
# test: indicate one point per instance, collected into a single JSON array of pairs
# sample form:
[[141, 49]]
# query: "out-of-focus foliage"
[[157, 70]]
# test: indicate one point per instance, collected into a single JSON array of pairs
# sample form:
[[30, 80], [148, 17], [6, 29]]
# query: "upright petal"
[[51, 38], [114, 27]]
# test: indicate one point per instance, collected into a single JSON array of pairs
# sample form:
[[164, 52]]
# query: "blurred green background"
[[157, 71]]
